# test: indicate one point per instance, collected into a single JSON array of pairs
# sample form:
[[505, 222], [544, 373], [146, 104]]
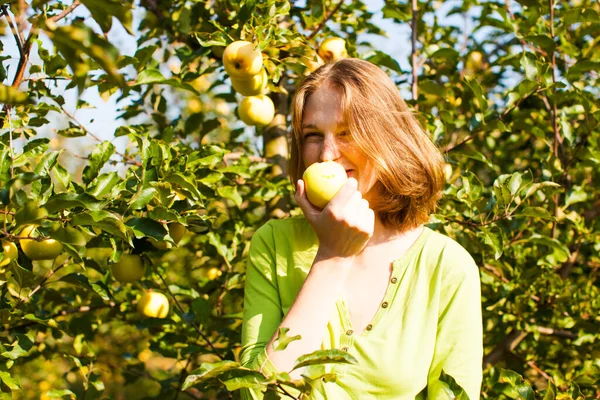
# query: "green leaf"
[[231, 193], [70, 200], [9, 381], [100, 155], [283, 340], [536, 212], [68, 235], [142, 198], [58, 394], [382, 59], [209, 371], [529, 66], [147, 227], [456, 391], [332, 356], [149, 76], [30, 212], [250, 379], [103, 184], [104, 10], [12, 96], [20, 348]]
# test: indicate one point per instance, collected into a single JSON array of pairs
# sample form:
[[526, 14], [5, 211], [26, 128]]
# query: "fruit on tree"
[[322, 182], [313, 65], [332, 49], [47, 249], [160, 244], [177, 231], [213, 273], [129, 268], [257, 110], [241, 60], [253, 86], [10, 252], [154, 305]]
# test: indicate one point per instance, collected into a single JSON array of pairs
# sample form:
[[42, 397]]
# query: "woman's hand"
[[344, 226]]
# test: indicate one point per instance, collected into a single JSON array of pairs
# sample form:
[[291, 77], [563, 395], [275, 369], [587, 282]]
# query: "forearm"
[[311, 311]]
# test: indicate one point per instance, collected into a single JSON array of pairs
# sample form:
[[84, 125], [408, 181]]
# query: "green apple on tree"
[[253, 86], [256, 110], [241, 60], [47, 249], [10, 252], [332, 49], [153, 305], [322, 182], [129, 268]]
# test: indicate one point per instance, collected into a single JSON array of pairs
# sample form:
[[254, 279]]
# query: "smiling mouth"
[[349, 172]]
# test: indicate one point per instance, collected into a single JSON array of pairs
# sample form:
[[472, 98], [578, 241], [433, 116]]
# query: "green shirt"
[[429, 319]]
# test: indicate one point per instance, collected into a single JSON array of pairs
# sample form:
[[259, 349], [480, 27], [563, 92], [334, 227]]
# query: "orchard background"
[[508, 90]]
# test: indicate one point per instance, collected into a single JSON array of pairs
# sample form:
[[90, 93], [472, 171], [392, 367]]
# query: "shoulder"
[[452, 259], [293, 231]]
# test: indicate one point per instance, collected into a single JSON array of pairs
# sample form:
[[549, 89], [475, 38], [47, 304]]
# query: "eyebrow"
[[313, 126]]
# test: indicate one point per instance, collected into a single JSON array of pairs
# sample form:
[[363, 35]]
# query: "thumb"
[[307, 207]]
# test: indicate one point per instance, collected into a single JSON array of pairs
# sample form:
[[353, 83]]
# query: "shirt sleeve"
[[459, 341], [262, 307]]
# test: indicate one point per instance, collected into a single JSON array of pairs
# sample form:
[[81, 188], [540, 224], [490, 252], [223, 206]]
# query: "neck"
[[383, 234]]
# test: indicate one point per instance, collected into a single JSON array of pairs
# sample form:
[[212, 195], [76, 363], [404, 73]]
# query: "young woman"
[[364, 275]]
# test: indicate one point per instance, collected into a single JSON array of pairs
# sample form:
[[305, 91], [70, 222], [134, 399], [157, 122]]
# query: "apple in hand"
[[241, 60], [323, 181], [129, 268], [10, 252], [154, 305], [333, 49], [47, 249], [253, 86], [256, 110]]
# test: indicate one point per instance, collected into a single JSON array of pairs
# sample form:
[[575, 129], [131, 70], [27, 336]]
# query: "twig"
[[465, 140], [414, 53], [43, 281], [206, 339], [183, 373], [565, 270], [327, 17], [510, 342], [66, 11], [556, 332], [4, 11], [237, 155]]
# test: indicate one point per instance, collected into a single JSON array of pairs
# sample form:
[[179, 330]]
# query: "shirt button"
[[369, 327], [349, 332], [344, 349], [384, 304], [394, 280]]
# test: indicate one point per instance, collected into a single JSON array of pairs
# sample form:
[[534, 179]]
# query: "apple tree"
[[123, 261]]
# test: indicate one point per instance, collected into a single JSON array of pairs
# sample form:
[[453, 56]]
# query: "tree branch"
[[327, 18], [510, 342], [414, 53], [4, 11]]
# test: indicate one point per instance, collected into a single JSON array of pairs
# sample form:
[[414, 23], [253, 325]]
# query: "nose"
[[330, 150]]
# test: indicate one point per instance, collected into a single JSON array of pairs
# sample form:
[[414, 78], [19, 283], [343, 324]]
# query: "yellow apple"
[[129, 268], [253, 86], [177, 231], [213, 273], [257, 110], [154, 305], [313, 65], [333, 49], [47, 249], [10, 252], [160, 244], [241, 60], [323, 181]]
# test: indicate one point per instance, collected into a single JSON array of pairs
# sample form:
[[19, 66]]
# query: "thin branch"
[[65, 12], [414, 53], [510, 342], [556, 332], [196, 327], [4, 11], [43, 281], [327, 18], [453, 147], [565, 270]]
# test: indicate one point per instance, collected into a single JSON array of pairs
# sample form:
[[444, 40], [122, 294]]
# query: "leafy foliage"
[[509, 93]]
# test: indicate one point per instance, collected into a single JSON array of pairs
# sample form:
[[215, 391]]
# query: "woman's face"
[[325, 138]]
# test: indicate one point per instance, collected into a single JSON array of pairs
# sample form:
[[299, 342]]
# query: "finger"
[[344, 195], [307, 207]]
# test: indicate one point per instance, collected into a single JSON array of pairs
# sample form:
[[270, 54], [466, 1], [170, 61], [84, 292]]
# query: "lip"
[[349, 172]]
